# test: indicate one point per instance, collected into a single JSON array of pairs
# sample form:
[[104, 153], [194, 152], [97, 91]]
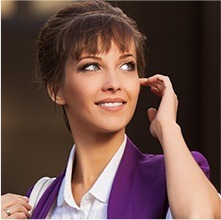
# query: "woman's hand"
[[166, 114], [14, 207]]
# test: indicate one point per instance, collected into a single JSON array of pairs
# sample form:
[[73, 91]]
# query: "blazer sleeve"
[[202, 162]]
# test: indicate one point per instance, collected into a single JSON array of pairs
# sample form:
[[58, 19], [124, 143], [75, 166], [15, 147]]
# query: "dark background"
[[183, 43]]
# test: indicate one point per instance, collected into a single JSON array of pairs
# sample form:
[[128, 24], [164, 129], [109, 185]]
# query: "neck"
[[93, 154]]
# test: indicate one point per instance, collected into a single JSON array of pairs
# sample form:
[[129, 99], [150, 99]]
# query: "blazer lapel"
[[120, 203], [47, 199]]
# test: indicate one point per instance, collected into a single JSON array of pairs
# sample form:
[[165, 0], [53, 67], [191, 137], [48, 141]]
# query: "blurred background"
[[183, 43]]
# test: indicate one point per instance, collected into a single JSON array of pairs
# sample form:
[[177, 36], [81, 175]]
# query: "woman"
[[91, 60]]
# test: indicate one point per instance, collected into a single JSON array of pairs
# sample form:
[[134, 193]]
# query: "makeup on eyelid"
[[95, 66]]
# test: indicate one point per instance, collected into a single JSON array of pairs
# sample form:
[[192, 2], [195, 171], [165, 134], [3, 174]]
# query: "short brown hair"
[[76, 29]]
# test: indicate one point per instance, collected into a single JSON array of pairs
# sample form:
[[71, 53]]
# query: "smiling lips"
[[111, 104]]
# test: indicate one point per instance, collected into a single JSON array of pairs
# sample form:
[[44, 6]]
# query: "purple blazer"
[[138, 191]]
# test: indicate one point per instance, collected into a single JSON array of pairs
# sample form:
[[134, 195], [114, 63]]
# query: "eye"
[[90, 67], [130, 66]]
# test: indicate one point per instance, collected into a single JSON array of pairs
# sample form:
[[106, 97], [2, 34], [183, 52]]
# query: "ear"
[[59, 99]]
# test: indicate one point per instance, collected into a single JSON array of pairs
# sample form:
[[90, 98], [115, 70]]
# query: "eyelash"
[[84, 67], [132, 66]]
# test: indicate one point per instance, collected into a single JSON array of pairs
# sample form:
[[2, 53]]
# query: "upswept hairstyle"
[[76, 29]]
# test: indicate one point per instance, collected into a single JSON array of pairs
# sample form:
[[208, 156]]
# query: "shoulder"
[[159, 158], [202, 162], [199, 158], [152, 166], [45, 182], [153, 160], [143, 163], [156, 162]]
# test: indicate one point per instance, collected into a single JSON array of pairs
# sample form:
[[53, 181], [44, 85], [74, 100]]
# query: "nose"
[[111, 82]]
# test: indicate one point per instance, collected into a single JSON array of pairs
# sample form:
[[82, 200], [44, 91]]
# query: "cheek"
[[70, 89], [134, 88], [72, 92], [80, 93]]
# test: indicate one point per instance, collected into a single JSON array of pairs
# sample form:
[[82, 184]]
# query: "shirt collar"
[[101, 188], [65, 192]]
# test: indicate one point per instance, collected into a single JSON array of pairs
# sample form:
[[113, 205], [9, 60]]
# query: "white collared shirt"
[[94, 203]]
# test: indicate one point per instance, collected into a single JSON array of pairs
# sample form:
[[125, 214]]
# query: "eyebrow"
[[99, 58], [127, 55], [89, 57]]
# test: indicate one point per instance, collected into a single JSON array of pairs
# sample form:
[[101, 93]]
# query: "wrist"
[[168, 130]]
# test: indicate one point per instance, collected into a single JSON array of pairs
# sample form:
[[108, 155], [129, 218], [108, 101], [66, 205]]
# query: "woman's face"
[[100, 91]]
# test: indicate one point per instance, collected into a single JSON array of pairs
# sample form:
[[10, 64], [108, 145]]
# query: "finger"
[[152, 82], [16, 211], [156, 91], [143, 81], [14, 195], [160, 79], [18, 215], [149, 81], [15, 201], [11, 199], [19, 208], [8, 197], [156, 87], [3, 214], [157, 77], [151, 113], [160, 82]]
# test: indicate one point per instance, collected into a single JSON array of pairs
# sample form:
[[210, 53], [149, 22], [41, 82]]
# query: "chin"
[[113, 127]]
